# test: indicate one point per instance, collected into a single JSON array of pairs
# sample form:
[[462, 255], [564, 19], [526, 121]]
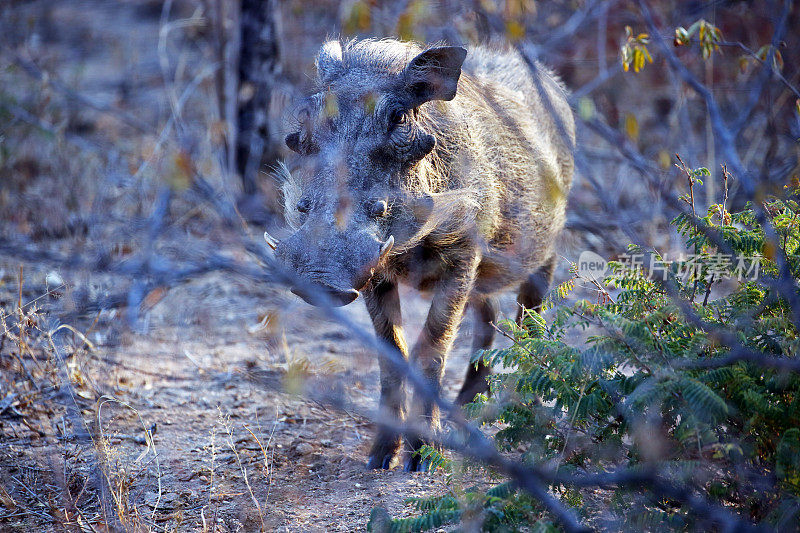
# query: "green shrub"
[[688, 373]]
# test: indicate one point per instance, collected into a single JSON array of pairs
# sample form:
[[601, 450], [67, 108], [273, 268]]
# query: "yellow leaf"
[[359, 18], [408, 21], [638, 60], [664, 159], [514, 30], [586, 108], [778, 60], [296, 375], [632, 127], [488, 6], [180, 176], [331, 105], [513, 8], [743, 62], [369, 100], [681, 36], [768, 250], [405, 27]]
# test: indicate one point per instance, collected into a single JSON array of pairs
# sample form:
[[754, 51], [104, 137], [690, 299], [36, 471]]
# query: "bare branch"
[[754, 95], [33, 70], [725, 137]]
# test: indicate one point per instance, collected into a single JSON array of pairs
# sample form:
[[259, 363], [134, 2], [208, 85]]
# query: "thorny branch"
[[469, 440]]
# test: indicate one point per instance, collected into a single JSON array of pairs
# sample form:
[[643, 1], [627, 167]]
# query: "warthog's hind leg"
[[531, 294], [485, 309], [533, 290], [383, 304]]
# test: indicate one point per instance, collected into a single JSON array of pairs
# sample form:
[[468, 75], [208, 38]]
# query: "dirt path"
[[235, 445], [221, 377]]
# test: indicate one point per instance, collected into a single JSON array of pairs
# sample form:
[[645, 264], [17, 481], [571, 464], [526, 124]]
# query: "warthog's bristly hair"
[[470, 152], [290, 193], [371, 55]]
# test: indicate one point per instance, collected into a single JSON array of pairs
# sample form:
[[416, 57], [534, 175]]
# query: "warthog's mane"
[[380, 56]]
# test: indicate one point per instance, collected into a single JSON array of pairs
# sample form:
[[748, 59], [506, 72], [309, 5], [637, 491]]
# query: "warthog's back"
[[519, 152]]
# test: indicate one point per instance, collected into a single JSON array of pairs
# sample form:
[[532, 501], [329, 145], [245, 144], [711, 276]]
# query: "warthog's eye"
[[378, 209], [304, 205], [397, 117]]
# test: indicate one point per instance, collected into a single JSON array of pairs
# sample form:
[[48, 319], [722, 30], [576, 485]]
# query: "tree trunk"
[[258, 66]]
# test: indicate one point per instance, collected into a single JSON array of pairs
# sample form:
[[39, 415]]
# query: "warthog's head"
[[360, 136]]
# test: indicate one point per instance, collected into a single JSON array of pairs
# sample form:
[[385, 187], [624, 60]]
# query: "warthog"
[[442, 168]]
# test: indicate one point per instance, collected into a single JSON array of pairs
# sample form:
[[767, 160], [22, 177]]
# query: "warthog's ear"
[[329, 61], [433, 74]]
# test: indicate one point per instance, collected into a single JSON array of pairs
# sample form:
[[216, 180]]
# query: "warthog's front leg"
[[435, 340], [383, 304]]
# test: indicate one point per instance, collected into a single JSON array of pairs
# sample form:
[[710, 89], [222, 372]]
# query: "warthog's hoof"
[[383, 452], [380, 461], [415, 462]]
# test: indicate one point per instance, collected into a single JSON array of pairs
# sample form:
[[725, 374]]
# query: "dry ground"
[[215, 388]]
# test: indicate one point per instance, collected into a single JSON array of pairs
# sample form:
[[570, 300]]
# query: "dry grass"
[[45, 394], [50, 402]]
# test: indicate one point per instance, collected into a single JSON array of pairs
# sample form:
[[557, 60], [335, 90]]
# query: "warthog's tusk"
[[387, 246], [271, 241]]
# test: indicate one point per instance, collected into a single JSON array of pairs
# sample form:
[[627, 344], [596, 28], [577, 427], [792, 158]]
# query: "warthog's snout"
[[330, 269]]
